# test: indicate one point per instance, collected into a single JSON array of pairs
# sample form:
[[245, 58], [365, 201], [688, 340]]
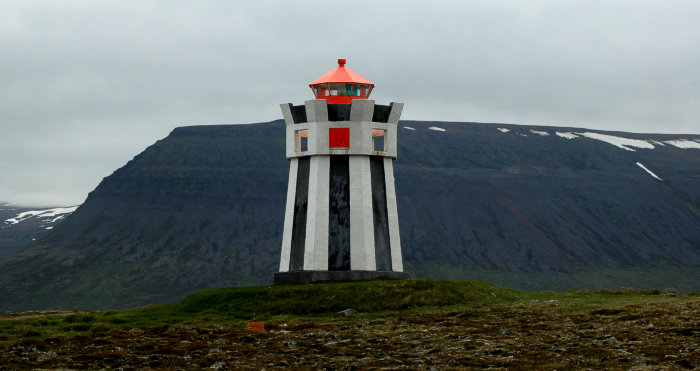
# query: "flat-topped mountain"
[[528, 207]]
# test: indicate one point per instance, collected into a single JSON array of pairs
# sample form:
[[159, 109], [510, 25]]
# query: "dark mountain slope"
[[20, 225], [204, 208]]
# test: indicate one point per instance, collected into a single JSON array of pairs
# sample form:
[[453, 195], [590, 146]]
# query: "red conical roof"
[[341, 74]]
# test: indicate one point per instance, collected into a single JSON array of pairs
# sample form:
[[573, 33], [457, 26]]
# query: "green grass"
[[374, 296], [233, 307]]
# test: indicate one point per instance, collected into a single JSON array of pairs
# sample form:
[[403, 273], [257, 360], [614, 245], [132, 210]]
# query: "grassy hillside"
[[415, 324]]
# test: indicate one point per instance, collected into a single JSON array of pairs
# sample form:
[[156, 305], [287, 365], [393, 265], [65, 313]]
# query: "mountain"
[[21, 225], [529, 207]]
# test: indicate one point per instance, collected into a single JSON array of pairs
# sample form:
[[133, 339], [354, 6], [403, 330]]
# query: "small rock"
[[685, 364], [218, 365], [45, 356], [345, 313], [136, 331]]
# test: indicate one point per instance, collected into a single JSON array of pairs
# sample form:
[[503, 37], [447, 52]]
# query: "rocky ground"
[[529, 334]]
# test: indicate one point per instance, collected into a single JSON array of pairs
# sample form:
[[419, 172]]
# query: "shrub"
[[31, 333], [79, 318]]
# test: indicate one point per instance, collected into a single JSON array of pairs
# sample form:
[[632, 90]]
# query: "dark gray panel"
[[339, 214], [291, 278], [339, 112], [381, 113], [301, 201], [382, 249], [298, 113]]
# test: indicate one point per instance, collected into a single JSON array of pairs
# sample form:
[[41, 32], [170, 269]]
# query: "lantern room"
[[341, 85]]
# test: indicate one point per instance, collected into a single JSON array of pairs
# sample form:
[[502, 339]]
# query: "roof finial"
[[341, 61]]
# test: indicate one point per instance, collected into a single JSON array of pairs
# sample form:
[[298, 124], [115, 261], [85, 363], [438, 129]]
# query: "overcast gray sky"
[[87, 85]]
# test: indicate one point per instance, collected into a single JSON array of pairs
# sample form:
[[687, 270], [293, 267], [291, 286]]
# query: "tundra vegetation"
[[415, 324]]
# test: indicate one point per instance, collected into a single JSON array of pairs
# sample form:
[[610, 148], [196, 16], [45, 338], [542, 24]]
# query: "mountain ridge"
[[204, 207]]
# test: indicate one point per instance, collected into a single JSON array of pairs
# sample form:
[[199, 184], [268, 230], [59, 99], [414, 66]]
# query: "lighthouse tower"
[[341, 222]]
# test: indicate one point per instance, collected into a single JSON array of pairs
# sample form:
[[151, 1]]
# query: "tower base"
[[296, 277]]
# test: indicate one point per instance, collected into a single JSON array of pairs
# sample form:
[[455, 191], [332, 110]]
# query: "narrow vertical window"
[[302, 139], [379, 139]]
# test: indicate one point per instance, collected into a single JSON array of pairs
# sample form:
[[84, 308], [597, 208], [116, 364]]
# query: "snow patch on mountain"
[[408, 128], [55, 214], [683, 143], [627, 144], [436, 128], [567, 135], [649, 171], [620, 142]]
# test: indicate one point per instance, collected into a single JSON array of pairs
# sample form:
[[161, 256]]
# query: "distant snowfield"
[[567, 135], [409, 128], [619, 142], [436, 128], [683, 143], [55, 214], [624, 143]]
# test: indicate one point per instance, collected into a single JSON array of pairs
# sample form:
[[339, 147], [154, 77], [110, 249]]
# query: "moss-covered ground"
[[415, 324]]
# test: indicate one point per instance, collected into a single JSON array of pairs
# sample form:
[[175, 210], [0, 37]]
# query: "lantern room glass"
[[341, 90], [320, 90]]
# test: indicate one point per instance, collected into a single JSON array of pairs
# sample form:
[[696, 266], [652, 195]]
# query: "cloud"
[[87, 85]]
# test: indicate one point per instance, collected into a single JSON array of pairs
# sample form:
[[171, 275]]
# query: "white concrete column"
[[316, 110], [289, 216], [393, 216], [316, 246], [361, 215], [395, 114], [390, 145], [361, 110], [287, 113]]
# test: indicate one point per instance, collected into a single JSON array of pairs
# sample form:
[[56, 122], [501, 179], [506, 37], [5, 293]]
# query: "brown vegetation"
[[553, 334]]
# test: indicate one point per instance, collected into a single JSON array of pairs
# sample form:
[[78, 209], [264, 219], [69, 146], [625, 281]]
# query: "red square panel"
[[339, 138]]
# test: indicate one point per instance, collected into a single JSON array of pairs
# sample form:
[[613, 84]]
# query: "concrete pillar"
[[361, 215], [289, 216], [393, 216], [316, 248]]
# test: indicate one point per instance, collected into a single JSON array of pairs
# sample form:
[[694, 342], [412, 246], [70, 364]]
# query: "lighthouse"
[[341, 221]]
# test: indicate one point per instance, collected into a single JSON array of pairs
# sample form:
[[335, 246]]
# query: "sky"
[[87, 85]]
